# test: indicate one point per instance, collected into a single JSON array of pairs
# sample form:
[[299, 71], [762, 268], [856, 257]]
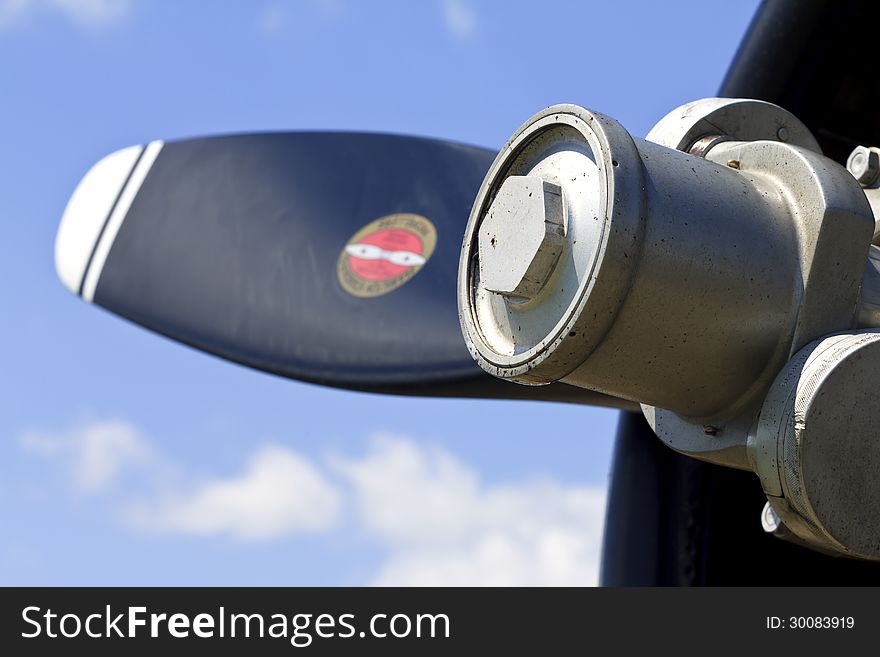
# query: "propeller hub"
[[616, 264], [684, 278]]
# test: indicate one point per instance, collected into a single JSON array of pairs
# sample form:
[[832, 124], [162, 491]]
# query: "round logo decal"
[[385, 254]]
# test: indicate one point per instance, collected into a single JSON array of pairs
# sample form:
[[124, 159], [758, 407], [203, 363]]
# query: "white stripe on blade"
[[114, 223], [86, 213]]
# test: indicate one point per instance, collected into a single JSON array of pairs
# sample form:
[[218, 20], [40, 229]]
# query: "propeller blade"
[[325, 257]]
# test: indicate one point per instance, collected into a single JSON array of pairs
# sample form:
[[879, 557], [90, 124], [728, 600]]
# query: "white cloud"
[[438, 521], [272, 19], [96, 453], [278, 494], [443, 527], [460, 18], [277, 16], [85, 13], [330, 7], [93, 13], [12, 10]]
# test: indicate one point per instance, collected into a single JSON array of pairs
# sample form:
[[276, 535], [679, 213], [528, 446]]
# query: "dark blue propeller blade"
[[326, 257]]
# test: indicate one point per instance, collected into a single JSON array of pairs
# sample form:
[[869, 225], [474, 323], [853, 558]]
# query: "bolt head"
[[769, 520], [522, 236], [864, 164]]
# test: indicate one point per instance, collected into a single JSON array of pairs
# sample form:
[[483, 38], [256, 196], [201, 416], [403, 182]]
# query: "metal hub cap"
[[539, 232]]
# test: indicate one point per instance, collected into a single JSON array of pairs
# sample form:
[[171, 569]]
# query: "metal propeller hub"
[[686, 275], [553, 226]]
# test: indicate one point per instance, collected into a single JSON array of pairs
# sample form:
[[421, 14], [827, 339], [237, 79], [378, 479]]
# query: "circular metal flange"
[[515, 330], [816, 446], [738, 119]]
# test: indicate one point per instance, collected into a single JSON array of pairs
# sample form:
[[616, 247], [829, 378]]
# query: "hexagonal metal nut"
[[864, 164], [522, 236]]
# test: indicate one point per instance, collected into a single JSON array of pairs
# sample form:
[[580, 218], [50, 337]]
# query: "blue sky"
[[127, 459]]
